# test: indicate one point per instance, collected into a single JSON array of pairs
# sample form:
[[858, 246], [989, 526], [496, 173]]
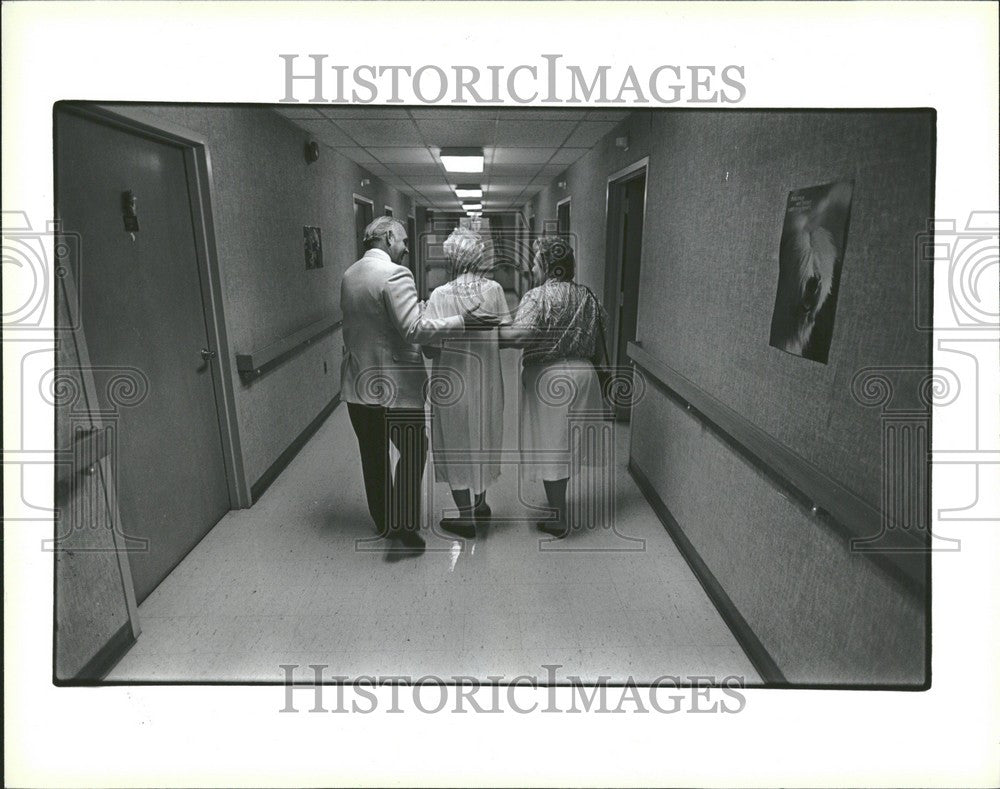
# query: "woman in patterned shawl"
[[466, 385], [560, 326]]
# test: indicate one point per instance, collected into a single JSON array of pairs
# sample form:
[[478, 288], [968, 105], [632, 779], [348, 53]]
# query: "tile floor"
[[299, 579]]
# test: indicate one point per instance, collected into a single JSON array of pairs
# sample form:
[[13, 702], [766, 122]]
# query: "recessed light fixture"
[[463, 191], [472, 206], [462, 160]]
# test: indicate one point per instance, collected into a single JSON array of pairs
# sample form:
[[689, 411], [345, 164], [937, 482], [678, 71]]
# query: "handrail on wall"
[[906, 553], [252, 364]]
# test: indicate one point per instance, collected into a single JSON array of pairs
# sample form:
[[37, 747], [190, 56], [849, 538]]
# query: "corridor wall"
[[586, 185], [717, 188], [264, 193]]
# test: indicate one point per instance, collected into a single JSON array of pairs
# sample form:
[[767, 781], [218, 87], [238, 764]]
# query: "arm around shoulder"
[[407, 313]]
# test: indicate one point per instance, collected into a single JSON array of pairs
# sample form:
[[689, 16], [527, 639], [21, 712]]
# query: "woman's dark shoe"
[[556, 529], [459, 527], [483, 512]]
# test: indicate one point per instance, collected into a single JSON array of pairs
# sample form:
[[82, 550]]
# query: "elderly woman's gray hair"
[[466, 251], [556, 257]]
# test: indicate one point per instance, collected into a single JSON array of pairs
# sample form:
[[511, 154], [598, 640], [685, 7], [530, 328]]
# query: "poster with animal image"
[[810, 258]]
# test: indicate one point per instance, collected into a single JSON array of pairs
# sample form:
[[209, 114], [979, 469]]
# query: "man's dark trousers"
[[393, 500]]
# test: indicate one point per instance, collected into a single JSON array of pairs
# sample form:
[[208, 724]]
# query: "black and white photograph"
[[591, 395], [481, 444]]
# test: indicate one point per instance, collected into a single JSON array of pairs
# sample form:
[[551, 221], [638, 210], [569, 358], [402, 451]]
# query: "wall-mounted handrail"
[[257, 362], [904, 552]]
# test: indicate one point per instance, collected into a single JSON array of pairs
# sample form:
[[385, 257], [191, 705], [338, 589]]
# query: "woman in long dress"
[[466, 385], [560, 326]]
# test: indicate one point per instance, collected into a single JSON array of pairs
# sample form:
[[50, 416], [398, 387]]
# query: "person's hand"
[[478, 320]]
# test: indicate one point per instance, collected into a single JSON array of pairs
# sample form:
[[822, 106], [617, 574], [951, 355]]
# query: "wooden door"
[[143, 307]]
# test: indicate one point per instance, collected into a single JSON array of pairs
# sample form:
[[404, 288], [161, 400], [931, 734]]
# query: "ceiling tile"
[[365, 112], [399, 155], [457, 132], [355, 154], [522, 155], [543, 115], [431, 188], [324, 131], [374, 132], [510, 179], [608, 115], [568, 155], [378, 169], [298, 112], [588, 133], [505, 190], [470, 114], [422, 170], [526, 170], [538, 133], [552, 170]]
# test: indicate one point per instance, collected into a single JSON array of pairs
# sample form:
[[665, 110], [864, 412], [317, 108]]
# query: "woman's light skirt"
[[562, 420], [465, 392]]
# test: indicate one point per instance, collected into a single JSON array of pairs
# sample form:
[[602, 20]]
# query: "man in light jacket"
[[383, 378]]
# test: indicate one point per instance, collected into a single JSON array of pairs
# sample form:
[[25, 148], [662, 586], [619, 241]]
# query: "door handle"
[[207, 355]]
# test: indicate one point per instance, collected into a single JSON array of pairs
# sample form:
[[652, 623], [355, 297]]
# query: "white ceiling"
[[525, 149]]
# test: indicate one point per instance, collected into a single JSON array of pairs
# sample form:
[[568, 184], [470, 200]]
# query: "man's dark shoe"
[[404, 544]]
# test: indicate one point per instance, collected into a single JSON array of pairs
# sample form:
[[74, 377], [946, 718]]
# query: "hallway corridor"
[[294, 580]]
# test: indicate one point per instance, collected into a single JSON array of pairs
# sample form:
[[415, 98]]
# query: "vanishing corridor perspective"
[[665, 366]]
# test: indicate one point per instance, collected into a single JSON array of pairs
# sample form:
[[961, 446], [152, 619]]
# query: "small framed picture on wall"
[[313, 242]]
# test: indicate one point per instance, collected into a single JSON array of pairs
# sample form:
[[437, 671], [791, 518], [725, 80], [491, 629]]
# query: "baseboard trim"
[[752, 646], [286, 457], [107, 656]]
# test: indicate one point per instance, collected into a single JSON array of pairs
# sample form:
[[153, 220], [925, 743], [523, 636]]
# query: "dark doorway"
[[144, 300], [562, 217], [412, 245], [364, 213], [626, 211]]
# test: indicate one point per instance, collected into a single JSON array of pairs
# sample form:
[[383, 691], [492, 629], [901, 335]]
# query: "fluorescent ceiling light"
[[468, 190], [462, 160], [472, 206]]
